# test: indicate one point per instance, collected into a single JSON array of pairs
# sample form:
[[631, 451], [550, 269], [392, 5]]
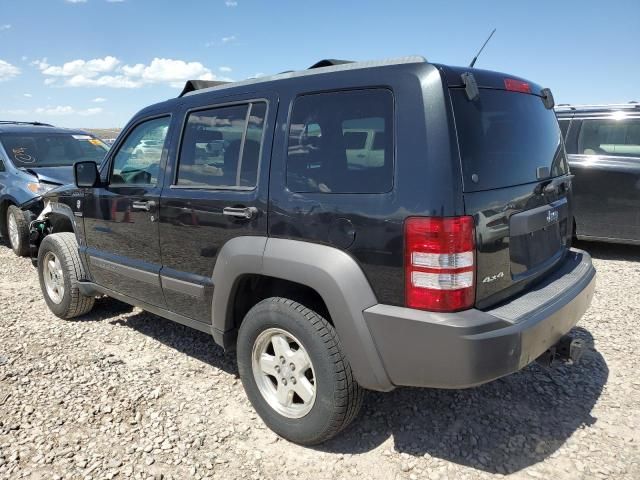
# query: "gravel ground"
[[125, 394]]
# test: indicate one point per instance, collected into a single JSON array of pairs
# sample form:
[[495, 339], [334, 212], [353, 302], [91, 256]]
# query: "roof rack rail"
[[567, 106], [340, 65], [17, 122], [193, 85], [329, 62]]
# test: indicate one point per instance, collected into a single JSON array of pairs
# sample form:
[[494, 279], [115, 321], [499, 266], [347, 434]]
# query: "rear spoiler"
[[193, 85]]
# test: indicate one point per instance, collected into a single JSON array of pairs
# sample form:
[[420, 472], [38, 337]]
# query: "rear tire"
[[17, 231], [329, 399], [60, 270]]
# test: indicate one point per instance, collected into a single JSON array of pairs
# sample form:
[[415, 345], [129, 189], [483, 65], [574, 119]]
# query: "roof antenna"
[[473, 62]]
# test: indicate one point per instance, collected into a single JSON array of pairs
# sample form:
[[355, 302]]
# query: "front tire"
[[60, 270], [294, 372], [17, 231]]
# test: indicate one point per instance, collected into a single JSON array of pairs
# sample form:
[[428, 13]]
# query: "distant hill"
[[104, 133]]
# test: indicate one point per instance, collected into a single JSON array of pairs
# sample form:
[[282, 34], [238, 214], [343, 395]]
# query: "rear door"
[[216, 191], [516, 185], [604, 155], [121, 219]]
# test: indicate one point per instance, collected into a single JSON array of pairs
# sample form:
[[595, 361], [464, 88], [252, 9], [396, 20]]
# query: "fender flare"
[[331, 272], [56, 208]]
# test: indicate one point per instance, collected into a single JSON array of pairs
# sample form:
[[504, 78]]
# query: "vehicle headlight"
[[39, 188]]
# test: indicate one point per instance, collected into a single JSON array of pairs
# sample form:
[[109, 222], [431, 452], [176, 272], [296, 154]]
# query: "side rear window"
[[341, 142], [221, 147], [564, 126], [612, 137]]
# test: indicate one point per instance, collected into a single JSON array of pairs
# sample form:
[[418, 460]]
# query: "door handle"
[[240, 212], [146, 206]]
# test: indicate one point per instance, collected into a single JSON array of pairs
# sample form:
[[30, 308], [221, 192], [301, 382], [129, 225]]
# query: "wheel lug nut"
[[284, 381], [277, 369], [292, 366], [282, 360], [293, 380]]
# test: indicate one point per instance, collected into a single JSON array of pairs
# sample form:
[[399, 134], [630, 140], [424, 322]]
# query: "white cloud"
[[76, 1], [108, 72], [28, 95], [99, 100], [225, 69], [115, 1], [17, 111], [6, 26], [231, 3], [62, 110], [8, 71], [229, 39], [89, 68]]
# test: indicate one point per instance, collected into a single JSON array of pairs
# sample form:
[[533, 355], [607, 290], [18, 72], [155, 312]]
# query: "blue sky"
[[94, 63]]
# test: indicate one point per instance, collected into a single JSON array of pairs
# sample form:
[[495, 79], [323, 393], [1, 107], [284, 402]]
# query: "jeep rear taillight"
[[439, 263]]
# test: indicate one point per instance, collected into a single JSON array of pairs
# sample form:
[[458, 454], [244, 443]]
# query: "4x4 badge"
[[493, 278]]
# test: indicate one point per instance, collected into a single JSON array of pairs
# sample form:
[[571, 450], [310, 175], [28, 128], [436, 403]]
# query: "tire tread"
[[68, 246]]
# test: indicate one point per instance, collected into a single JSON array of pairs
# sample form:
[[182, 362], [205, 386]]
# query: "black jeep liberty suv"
[[351, 226]]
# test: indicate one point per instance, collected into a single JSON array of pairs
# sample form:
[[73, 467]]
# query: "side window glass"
[[612, 137], [2, 169], [221, 147], [341, 142], [138, 159], [564, 126]]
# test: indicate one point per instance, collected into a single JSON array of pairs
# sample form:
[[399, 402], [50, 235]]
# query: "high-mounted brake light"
[[439, 263], [516, 85]]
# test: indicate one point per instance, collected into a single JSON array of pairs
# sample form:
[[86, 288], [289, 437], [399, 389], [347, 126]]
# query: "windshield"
[[51, 149], [504, 138]]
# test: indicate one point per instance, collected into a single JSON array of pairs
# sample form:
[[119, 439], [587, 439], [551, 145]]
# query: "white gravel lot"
[[125, 394]]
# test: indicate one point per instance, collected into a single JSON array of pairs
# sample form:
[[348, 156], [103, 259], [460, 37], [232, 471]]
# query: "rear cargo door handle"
[[146, 206], [240, 212]]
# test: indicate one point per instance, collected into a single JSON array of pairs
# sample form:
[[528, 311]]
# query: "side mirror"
[[86, 174]]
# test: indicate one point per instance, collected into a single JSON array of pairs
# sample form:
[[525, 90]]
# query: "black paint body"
[[183, 231]]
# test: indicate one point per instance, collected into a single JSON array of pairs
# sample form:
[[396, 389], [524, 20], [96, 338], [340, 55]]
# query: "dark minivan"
[[603, 148], [355, 225], [35, 158]]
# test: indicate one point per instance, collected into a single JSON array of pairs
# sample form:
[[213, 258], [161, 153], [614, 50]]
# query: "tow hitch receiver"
[[567, 349]]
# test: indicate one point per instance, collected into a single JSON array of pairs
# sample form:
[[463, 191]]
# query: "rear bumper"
[[458, 350]]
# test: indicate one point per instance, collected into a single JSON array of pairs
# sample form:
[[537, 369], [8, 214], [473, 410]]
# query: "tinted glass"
[[138, 158], [213, 153], [617, 137], [504, 137], [331, 142], [564, 126], [52, 150], [1, 166]]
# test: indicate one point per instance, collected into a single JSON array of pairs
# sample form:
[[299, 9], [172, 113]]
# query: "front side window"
[[43, 149], [610, 137], [341, 142], [221, 147], [138, 159]]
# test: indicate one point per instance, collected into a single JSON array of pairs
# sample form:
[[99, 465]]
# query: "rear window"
[[504, 138], [51, 149]]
